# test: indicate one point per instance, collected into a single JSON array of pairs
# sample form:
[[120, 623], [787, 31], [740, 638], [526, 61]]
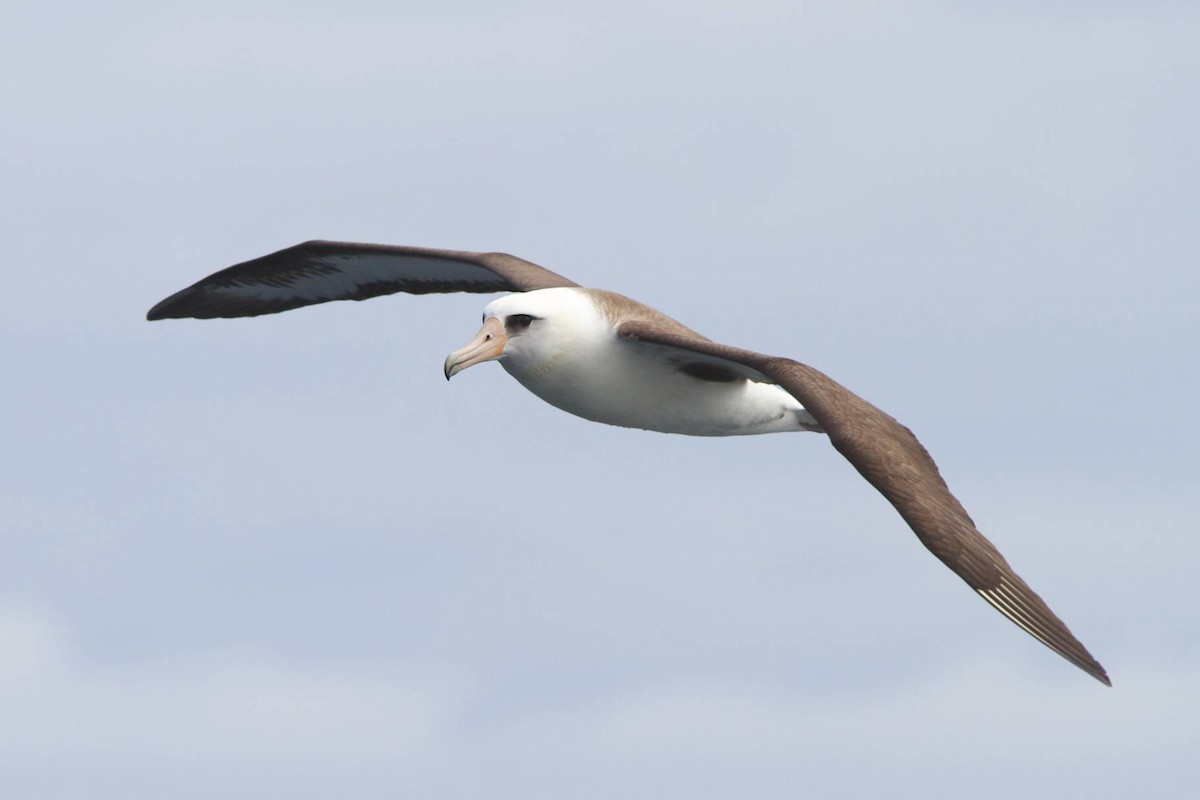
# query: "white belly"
[[620, 385]]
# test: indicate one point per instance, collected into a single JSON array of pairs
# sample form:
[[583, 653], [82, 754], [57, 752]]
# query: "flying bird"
[[607, 358]]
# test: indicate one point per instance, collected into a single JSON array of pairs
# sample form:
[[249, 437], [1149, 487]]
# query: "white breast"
[[574, 360]]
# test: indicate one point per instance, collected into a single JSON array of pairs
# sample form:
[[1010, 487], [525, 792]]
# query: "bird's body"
[[584, 368], [607, 358]]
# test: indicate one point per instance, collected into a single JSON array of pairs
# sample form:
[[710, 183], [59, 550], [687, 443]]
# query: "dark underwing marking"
[[707, 371]]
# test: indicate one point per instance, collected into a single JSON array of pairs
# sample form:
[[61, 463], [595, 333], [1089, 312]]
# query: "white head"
[[531, 332]]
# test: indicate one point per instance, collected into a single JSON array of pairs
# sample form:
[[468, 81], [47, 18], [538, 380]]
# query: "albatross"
[[607, 358]]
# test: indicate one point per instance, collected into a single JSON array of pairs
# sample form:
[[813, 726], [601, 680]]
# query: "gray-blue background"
[[282, 557]]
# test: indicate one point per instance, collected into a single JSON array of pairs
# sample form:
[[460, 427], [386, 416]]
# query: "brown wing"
[[889, 456], [319, 272]]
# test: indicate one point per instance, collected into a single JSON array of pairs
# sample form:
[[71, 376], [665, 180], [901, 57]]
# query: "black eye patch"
[[515, 323]]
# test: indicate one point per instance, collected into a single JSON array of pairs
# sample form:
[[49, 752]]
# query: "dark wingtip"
[[162, 309], [1088, 664], [181, 305]]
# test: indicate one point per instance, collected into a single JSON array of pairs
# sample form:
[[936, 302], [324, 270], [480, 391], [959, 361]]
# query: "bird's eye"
[[518, 322]]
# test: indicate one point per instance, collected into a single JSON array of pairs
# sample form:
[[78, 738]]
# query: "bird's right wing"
[[319, 271]]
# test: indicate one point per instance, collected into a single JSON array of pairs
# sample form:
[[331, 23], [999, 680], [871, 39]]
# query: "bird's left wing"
[[889, 456], [319, 272]]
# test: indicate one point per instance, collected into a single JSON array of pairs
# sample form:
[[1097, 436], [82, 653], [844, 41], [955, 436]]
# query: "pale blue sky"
[[283, 557]]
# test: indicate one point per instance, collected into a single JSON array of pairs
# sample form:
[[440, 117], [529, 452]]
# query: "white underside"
[[619, 383]]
